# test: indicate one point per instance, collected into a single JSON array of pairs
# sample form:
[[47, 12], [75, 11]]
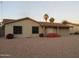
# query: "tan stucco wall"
[[26, 27]]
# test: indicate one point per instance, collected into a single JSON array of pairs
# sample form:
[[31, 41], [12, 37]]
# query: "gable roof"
[[7, 20], [48, 24], [67, 22], [20, 20]]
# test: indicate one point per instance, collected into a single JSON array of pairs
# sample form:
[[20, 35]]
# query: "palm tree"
[[51, 19], [65, 22], [46, 17]]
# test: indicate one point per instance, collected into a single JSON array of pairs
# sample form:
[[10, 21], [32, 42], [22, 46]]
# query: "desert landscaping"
[[66, 46]]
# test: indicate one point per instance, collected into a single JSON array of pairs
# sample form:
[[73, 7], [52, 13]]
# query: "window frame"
[[17, 30], [33, 30]]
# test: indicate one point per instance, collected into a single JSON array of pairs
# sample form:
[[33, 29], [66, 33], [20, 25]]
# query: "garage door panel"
[[50, 30]]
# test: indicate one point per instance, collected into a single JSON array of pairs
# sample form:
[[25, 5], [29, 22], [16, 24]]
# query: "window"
[[35, 30], [17, 29]]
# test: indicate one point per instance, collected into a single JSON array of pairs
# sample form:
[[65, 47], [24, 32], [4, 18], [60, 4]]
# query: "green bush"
[[41, 35]]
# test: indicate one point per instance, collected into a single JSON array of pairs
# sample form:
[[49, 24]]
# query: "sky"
[[59, 10]]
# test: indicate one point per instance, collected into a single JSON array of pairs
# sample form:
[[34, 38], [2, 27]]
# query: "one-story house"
[[27, 27], [74, 28]]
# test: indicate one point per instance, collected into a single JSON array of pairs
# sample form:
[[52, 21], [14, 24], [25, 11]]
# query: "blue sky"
[[60, 10]]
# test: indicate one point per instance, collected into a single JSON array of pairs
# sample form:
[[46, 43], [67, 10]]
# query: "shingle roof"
[[73, 24], [48, 24], [7, 20], [20, 20]]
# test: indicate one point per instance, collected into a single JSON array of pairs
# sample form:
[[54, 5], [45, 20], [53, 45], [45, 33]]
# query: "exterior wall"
[[26, 28]]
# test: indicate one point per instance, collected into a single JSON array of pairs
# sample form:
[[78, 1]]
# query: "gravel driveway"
[[67, 46]]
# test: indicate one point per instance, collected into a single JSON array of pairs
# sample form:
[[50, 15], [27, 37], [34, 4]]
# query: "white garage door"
[[50, 30]]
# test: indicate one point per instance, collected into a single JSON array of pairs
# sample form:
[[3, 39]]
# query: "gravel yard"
[[66, 47]]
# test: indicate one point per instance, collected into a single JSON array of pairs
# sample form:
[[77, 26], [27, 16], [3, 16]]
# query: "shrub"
[[9, 36], [77, 33], [41, 35]]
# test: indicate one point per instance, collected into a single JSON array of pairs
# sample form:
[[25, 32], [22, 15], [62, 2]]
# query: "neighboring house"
[[7, 20], [27, 27], [2, 27], [75, 27]]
